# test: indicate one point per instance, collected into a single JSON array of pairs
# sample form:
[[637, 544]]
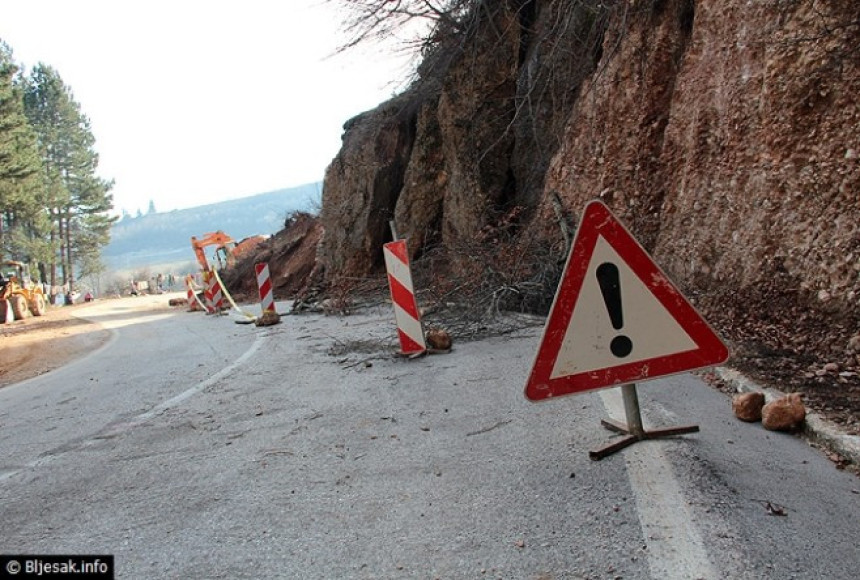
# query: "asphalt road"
[[193, 447]]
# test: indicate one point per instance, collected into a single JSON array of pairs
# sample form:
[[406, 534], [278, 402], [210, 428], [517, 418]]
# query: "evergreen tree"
[[22, 218], [75, 198], [151, 207]]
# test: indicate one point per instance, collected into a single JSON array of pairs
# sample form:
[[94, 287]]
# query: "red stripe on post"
[[407, 345], [266, 287], [398, 249], [403, 297]]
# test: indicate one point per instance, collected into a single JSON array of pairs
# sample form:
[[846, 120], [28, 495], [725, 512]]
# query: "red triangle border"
[[598, 221]]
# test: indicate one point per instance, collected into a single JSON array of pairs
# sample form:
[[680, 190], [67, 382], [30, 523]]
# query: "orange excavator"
[[227, 250]]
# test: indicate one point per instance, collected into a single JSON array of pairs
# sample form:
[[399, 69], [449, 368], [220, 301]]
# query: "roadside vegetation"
[[53, 206]]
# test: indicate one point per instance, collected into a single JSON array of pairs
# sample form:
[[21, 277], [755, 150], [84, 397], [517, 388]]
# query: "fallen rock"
[[268, 318], [438, 339], [747, 406], [785, 414]]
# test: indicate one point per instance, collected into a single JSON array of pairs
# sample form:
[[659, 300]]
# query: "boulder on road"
[[268, 318], [747, 406], [785, 414], [438, 339]]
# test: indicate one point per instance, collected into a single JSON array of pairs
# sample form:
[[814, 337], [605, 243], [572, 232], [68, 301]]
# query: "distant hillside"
[[164, 238]]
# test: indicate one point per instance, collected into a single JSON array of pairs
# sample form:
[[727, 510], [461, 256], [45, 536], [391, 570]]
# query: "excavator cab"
[[223, 251], [224, 255]]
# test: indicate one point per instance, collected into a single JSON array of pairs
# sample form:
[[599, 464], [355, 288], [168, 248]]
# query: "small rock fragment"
[[747, 406], [831, 367], [785, 414], [438, 339], [268, 318]]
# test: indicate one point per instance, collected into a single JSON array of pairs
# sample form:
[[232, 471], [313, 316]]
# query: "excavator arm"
[[220, 239]]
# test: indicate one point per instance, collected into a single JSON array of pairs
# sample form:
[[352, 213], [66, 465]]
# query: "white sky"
[[195, 101]]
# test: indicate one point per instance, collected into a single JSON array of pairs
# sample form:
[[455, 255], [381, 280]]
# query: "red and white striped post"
[[213, 294], [217, 294], [264, 283], [207, 292], [403, 295], [192, 299]]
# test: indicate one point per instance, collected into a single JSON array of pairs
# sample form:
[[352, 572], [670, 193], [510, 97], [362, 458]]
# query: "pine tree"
[[20, 165], [75, 198]]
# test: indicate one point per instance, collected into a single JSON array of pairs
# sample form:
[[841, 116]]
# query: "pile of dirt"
[[292, 258]]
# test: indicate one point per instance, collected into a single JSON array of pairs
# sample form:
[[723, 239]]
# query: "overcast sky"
[[195, 101]]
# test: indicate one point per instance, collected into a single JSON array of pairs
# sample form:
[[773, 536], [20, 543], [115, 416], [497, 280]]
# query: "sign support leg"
[[633, 430]]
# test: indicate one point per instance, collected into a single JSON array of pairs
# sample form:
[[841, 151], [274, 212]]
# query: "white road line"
[[675, 546], [173, 401]]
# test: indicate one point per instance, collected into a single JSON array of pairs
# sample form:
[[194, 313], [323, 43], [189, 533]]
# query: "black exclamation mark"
[[610, 287]]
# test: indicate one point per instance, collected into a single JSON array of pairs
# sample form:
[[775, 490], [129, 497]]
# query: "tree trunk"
[[69, 263], [54, 258], [1, 237], [62, 235]]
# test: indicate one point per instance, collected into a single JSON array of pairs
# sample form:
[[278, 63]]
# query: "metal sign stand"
[[633, 429]]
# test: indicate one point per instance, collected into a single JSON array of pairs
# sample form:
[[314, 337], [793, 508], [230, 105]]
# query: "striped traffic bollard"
[[264, 283], [192, 300], [217, 295], [208, 288], [403, 296]]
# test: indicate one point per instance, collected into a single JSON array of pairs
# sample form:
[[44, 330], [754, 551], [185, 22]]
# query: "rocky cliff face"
[[727, 134], [724, 133], [475, 134]]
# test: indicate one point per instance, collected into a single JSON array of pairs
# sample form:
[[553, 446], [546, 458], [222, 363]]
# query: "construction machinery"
[[19, 295], [227, 250]]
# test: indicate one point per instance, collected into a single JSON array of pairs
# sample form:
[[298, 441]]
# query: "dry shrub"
[[472, 287]]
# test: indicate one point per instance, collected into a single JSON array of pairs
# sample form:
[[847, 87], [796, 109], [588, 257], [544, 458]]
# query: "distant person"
[[88, 297]]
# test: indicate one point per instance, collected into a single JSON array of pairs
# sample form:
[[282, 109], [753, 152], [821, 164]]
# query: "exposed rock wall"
[[483, 122], [725, 133], [362, 185]]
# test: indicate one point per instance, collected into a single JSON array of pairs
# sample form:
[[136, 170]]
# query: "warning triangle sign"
[[616, 317]]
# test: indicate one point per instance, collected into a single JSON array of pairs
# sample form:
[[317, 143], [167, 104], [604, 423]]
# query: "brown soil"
[[788, 340], [291, 256], [37, 345]]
